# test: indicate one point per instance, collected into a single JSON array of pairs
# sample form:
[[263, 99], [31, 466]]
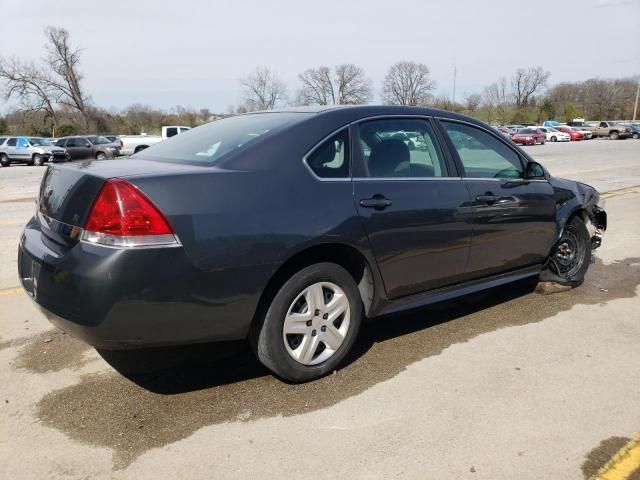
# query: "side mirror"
[[535, 171]]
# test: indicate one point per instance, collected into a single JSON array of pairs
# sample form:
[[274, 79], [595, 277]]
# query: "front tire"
[[613, 136], [100, 156], [554, 139], [571, 255], [311, 324], [636, 136], [37, 160]]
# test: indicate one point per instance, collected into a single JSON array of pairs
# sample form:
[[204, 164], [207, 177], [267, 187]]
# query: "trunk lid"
[[67, 192]]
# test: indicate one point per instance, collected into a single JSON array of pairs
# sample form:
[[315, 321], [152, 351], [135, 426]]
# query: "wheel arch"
[[343, 254]]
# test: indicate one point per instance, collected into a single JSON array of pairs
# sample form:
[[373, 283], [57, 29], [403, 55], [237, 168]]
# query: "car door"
[[22, 149], [414, 208], [10, 148], [78, 148], [513, 218]]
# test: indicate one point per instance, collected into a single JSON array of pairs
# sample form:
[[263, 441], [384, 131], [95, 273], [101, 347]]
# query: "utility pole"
[[453, 97], [635, 107]]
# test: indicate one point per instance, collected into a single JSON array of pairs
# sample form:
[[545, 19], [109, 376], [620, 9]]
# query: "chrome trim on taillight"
[[133, 241]]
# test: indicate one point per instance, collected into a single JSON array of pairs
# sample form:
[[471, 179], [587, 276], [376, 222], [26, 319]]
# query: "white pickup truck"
[[134, 143]]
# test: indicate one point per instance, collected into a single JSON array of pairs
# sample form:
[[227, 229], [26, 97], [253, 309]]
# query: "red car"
[[571, 132], [524, 136]]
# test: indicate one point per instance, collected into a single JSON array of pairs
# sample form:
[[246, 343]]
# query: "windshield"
[[98, 140], [39, 142], [208, 143]]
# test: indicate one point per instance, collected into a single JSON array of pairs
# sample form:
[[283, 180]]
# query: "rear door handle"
[[379, 202]]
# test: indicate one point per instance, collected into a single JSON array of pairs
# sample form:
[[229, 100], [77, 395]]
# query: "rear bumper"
[[115, 299]]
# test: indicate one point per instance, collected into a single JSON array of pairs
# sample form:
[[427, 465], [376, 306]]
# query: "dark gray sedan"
[[89, 147], [289, 228]]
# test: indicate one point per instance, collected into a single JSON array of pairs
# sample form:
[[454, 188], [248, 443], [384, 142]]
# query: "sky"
[[193, 53]]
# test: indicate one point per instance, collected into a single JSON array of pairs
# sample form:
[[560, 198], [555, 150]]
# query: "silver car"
[[30, 150]]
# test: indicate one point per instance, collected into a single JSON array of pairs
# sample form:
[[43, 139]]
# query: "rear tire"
[[636, 136], [4, 160], [571, 256], [311, 324]]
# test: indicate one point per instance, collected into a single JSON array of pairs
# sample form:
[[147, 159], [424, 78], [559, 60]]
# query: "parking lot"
[[507, 384]]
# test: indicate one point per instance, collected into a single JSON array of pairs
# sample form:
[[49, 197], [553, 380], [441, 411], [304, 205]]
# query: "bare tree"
[[64, 61], [407, 83], [496, 100], [263, 90], [525, 83], [31, 85], [347, 84], [472, 102]]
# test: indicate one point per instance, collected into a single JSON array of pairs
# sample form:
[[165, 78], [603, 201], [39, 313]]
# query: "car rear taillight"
[[122, 216]]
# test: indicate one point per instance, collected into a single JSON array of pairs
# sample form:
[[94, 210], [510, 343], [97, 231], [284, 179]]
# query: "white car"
[[554, 135]]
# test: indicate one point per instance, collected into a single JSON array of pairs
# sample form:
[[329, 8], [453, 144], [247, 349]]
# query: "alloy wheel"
[[316, 323]]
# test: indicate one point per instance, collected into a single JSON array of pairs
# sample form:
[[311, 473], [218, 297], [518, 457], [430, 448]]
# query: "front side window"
[[482, 155], [331, 158], [404, 148], [23, 142], [172, 131]]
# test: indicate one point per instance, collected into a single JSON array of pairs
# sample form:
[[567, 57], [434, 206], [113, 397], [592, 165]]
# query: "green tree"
[[570, 112]]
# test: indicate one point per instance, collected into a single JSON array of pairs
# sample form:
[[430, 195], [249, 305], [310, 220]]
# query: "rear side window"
[[404, 148], [2, 140], [12, 142], [482, 155], [331, 158], [207, 144]]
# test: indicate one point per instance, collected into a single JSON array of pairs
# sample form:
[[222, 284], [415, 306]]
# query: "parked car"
[[30, 150], [89, 147], [134, 143], [519, 137], [635, 130], [587, 134], [613, 130], [575, 136], [538, 135], [150, 251], [553, 135]]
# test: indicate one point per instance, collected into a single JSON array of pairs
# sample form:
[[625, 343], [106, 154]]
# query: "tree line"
[[49, 98]]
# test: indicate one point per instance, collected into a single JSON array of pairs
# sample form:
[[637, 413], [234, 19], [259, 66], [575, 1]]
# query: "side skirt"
[[433, 296]]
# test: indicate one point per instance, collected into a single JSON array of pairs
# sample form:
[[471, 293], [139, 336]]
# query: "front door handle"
[[379, 202], [487, 198]]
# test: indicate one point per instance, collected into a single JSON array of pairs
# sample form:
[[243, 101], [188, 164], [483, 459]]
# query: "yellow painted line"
[[622, 464], [622, 191], [10, 291]]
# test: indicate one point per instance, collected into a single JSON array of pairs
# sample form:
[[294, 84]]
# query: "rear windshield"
[[208, 143], [526, 130]]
